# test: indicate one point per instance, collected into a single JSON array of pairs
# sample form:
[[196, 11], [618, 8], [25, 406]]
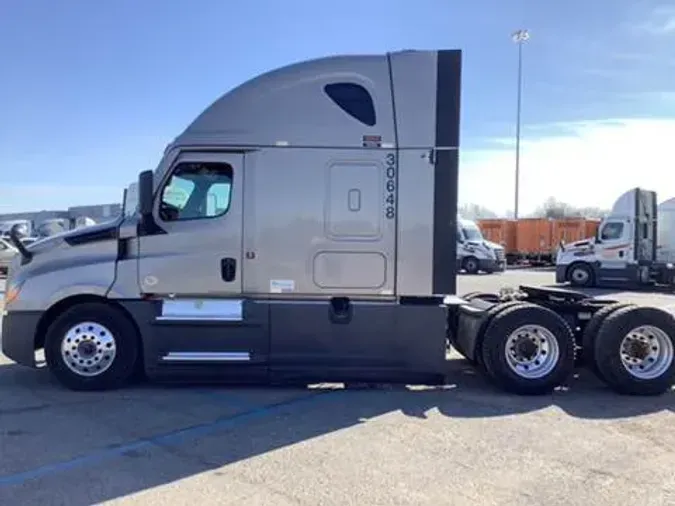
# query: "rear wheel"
[[489, 315], [488, 296], [92, 346], [528, 350], [591, 332], [635, 351]]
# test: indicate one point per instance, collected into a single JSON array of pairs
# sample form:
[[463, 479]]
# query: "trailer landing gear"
[[526, 340]]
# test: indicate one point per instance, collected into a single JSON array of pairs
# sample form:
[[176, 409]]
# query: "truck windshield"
[[472, 233], [197, 190]]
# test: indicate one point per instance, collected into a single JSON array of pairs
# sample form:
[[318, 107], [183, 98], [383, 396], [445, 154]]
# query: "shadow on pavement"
[[147, 436]]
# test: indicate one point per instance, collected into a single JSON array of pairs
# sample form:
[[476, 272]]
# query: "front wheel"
[[470, 265], [92, 346], [580, 275], [528, 350]]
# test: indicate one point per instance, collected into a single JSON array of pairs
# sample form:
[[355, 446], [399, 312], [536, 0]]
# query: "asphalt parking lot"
[[466, 443]]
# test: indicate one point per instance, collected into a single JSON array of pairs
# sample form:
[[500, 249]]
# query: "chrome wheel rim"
[[88, 349], [646, 352], [532, 351]]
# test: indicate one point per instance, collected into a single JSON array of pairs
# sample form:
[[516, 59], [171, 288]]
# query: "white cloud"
[[661, 21], [28, 197], [585, 163]]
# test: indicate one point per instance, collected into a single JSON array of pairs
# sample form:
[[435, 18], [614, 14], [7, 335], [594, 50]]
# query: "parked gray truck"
[[302, 229]]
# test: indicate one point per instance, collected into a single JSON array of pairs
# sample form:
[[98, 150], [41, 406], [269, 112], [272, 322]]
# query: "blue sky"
[[92, 91]]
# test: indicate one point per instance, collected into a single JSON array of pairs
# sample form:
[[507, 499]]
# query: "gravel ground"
[[466, 443]]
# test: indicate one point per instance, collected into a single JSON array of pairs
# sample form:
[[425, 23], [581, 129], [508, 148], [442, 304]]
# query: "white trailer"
[[83, 221], [474, 252], [52, 226], [634, 246]]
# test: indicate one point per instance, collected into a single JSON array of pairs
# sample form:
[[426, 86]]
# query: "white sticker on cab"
[[282, 285]]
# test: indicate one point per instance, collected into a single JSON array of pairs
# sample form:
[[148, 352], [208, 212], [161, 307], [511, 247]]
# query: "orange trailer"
[[573, 229], [534, 238], [591, 227], [500, 231]]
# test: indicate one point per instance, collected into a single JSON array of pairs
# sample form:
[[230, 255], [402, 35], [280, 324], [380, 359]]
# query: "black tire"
[[494, 353], [491, 297], [591, 332], [121, 367], [489, 316], [581, 275], [470, 265], [452, 338], [607, 350]]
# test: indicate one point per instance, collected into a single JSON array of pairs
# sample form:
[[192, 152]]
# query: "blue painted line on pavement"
[[173, 438]]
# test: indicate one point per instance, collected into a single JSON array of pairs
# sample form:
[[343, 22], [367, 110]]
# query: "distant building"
[[98, 213]]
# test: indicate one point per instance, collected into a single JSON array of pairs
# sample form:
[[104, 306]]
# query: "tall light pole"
[[519, 37]]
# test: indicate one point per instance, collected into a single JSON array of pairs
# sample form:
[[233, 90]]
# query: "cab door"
[[191, 263], [196, 250], [615, 250]]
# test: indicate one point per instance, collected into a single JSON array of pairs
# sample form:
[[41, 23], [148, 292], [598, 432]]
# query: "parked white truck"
[[7, 254], [24, 228], [300, 229], [634, 246], [474, 252]]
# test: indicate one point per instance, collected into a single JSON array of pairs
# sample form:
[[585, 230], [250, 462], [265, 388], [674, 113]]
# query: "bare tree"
[[550, 208], [475, 212], [553, 208]]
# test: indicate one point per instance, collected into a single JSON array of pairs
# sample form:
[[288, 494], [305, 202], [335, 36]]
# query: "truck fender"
[[468, 334]]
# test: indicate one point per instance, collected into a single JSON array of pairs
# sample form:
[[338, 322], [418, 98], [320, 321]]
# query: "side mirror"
[[145, 191], [124, 202], [16, 241]]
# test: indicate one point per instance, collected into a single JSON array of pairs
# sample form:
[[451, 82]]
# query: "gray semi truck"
[[302, 229]]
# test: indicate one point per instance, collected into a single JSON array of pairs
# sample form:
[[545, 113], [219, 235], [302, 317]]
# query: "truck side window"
[[197, 191], [612, 231], [353, 99]]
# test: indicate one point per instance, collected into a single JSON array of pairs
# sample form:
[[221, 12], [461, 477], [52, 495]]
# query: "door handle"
[[228, 269]]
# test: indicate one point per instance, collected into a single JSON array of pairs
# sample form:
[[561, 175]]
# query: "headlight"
[[12, 291]]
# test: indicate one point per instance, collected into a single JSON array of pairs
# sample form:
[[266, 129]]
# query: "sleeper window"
[[197, 191], [353, 99]]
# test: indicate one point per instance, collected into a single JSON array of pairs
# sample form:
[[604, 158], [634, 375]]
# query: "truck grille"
[[499, 254]]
